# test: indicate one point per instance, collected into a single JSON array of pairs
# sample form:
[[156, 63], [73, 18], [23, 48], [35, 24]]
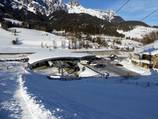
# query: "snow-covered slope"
[[105, 15], [138, 32], [5, 37], [30, 39], [33, 96], [45, 7]]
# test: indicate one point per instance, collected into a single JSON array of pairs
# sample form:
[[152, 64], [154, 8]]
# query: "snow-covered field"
[[138, 32], [40, 38], [34, 40], [31, 39]]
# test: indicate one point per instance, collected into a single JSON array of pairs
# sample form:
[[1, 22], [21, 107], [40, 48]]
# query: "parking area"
[[112, 67]]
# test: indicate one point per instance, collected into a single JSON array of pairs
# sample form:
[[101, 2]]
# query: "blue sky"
[[134, 10]]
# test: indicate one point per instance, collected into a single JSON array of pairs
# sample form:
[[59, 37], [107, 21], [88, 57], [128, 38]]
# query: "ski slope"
[[30, 39]]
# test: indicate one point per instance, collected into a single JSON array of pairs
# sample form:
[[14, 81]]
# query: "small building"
[[147, 56]]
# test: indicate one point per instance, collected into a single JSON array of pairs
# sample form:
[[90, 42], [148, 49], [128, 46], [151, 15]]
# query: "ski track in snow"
[[30, 107], [23, 105]]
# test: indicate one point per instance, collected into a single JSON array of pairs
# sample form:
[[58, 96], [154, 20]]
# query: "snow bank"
[[128, 65], [30, 107], [15, 101]]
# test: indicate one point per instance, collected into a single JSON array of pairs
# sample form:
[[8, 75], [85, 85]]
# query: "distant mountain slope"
[[108, 15], [129, 25], [20, 14], [105, 15], [47, 7], [84, 23]]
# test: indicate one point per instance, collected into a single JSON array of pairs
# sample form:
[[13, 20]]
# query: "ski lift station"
[[57, 55], [61, 63]]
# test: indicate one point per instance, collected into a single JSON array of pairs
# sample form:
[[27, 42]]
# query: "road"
[[113, 68]]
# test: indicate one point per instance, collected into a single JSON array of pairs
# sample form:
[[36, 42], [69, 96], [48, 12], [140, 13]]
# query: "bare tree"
[[54, 44], [63, 44]]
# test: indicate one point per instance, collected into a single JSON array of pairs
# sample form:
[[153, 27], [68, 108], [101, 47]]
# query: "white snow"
[[13, 21], [138, 32], [21, 103], [112, 99], [30, 107], [5, 37], [32, 40], [35, 38], [128, 65]]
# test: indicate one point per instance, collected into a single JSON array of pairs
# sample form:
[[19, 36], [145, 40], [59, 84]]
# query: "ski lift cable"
[[149, 14], [122, 6]]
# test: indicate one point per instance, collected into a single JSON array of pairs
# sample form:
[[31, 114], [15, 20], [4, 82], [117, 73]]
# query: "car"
[[117, 64], [100, 66]]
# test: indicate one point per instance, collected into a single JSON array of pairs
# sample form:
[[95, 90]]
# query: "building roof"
[[142, 61], [56, 54]]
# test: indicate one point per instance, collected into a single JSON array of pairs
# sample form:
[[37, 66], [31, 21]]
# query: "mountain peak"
[[45, 7], [75, 7]]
